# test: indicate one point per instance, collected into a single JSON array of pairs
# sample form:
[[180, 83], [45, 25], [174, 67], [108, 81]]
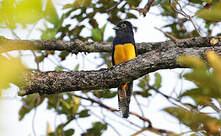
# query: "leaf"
[[84, 113], [48, 34], [58, 68], [67, 105], [158, 79], [78, 4], [11, 71], [104, 93], [133, 3], [96, 130], [50, 13], [207, 1], [29, 103], [130, 15], [199, 95], [196, 1], [211, 14], [191, 62], [77, 67], [195, 121], [63, 55], [69, 132], [76, 103], [28, 11], [215, 62], [207, 81], [143, 85], [98, 34]]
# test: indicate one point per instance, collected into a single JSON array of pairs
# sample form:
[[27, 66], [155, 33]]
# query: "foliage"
[[8, 74], [204, 95], [82, 15]]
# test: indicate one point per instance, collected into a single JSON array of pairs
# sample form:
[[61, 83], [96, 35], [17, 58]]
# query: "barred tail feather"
[[124, 94]]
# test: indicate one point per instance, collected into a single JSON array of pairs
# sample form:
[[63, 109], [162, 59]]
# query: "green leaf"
[[50, 13], [143, 85], [96, 34], [207, 1], [130, 15], [77, 67], [208, 83], [104, 93], [63, 55], [197, 1], [22, 11], [11, 71], [196, 121], [67, 105], [200, 96], [134, 3], [48, 34], [78, 4], [69, 132], [58, 68], [211, 14], [84, 113], [29, 103], [96, 130], [158, 79]]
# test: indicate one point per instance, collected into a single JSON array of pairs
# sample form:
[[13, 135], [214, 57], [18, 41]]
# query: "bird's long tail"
[[124, 94]]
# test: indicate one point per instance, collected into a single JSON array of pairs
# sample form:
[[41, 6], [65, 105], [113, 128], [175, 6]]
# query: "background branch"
[[85, 46]]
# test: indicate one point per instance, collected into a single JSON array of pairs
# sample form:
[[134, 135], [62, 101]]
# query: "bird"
[[123, 50]]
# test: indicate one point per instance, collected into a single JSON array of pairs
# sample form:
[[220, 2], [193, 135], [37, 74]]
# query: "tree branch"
[[159, 58], [85, 46]]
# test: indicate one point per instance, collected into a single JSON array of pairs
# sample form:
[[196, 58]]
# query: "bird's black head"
[[124, 26]]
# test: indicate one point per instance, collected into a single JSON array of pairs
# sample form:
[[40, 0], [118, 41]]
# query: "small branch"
[[167, 35], [146, 8], [182, 12], [150, 127]]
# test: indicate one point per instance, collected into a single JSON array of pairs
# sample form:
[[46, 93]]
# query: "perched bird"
[[124, 50]]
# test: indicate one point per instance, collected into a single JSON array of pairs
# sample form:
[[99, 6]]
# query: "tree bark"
[[154, 56], [85, 46]]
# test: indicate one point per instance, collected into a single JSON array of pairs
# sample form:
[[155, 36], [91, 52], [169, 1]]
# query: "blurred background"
[[182, 101]]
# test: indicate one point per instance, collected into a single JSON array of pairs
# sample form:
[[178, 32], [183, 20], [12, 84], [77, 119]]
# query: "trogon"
[[124, 49]]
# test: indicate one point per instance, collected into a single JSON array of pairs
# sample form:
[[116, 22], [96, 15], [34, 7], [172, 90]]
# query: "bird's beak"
[[116, 28]]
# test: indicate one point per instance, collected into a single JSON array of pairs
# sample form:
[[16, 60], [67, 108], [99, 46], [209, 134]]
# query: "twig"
[[113, 7], [182, 12], [167, 35], [138, 132], [150, 127], [147, 7], [139, 106]]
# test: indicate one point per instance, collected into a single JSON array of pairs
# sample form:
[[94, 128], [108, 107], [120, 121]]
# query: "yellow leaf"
[[49, 128], [213, 126], [192, 62], [215, 62], [11, 71], [212, 14], [214, 41]]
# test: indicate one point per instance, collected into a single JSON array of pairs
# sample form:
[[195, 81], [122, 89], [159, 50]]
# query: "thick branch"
[[163, 58], [85, 46]]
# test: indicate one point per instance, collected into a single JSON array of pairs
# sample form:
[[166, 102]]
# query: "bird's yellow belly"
[[124, 52]]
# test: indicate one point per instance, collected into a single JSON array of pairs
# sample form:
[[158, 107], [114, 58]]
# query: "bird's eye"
[[123, 25]]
